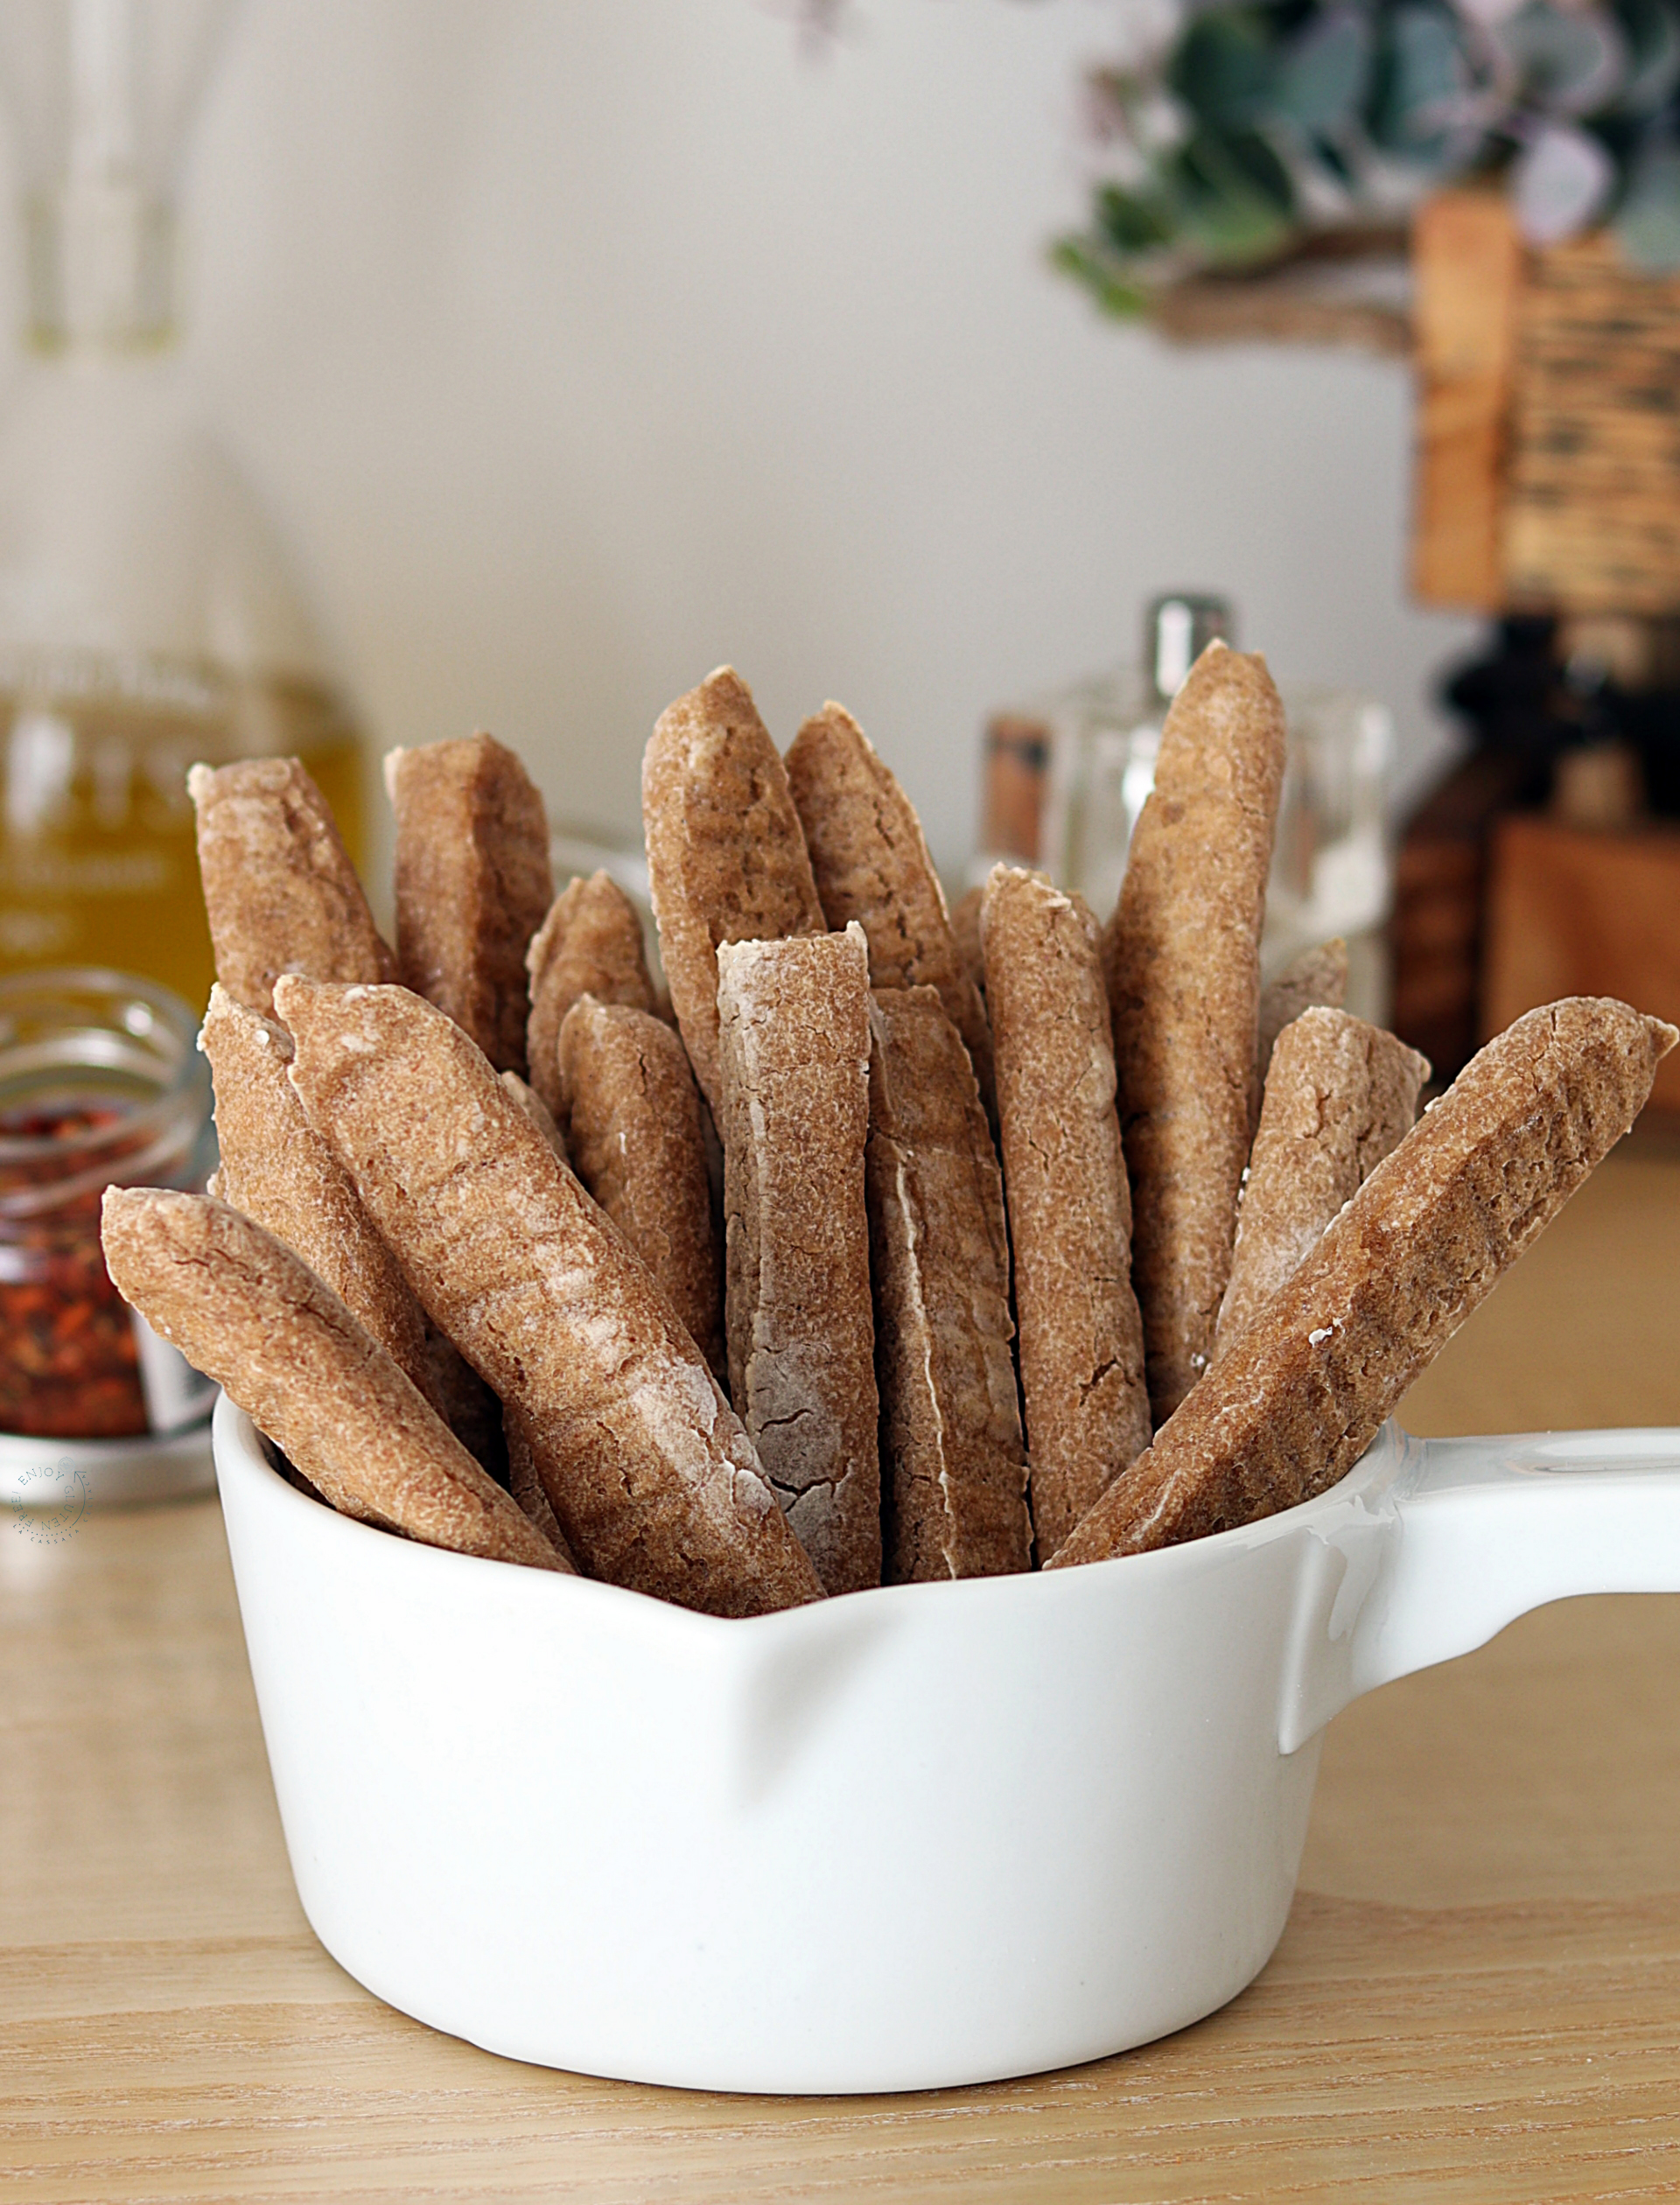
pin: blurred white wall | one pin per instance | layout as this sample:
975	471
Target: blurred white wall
581	343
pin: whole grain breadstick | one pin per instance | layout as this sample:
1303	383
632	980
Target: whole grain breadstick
473	883
1182	958
538	1112
1069	1210
247	1311
793	1060
953	1468
871	861
1340	1095
654	1481
278	1171
634	1112
280	890
588	944
965	932
526	1486
1318	978
726	856
1303	1389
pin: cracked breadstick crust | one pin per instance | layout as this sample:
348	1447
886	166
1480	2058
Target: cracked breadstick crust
793	1063
589	944
634	1112
651	1477
1340	1096
473	882
247	1311
1317	979
1304	1389
1182	960
726	855
871	862
1081	1347
279	888
953	1466
277	1171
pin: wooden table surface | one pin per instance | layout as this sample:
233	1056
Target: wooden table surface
1477	1997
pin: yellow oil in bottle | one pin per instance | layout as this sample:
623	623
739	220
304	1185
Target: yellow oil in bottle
98	865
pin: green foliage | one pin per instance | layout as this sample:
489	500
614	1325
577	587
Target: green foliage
1256	124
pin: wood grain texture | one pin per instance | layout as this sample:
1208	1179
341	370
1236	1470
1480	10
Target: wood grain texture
1477	1998
1574	911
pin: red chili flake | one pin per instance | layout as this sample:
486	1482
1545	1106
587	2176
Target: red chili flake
69	1368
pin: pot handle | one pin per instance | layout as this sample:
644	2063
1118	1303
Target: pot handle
1475	1533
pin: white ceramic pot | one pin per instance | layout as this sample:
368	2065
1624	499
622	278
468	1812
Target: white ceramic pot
929	1835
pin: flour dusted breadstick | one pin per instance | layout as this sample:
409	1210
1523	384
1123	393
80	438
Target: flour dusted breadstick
794	1062
1070	1211
1317	978
634	1112
871	861
1340	1095
953	1468
654	1483
473	883
1300	1396
538	1112
280	890
277	1171
247	1311
1182	954
726	856
526	1486
588	944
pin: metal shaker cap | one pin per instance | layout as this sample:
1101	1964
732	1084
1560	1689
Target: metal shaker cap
1178	627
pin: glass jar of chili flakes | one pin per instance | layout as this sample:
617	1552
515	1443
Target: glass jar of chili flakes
101	1083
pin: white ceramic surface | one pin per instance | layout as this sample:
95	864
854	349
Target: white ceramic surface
924	1836
62	1477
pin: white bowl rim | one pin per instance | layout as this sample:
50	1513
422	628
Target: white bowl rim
1362	1489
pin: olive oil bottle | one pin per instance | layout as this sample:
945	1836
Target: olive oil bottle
148	615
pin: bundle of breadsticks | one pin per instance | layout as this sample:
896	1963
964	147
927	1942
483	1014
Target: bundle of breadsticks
887	1245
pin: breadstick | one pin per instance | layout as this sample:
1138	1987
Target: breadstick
871	861
1340	1095
1069	1209
726	856
282	1175
1318	977
588	944
527	1487
953	1466
634	1112
654	1481
1303	1389
794	1062
1182	956
472	883
538	1112
280	890
965	932
247	1311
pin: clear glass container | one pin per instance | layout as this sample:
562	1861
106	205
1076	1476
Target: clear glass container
1068	775
148	615
101	1083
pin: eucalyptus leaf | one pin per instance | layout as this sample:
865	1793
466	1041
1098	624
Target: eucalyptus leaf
1236	199
1108	282
1651	29
1647	223
1323	75
1568	61
1421	82
1128	221
1224	68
